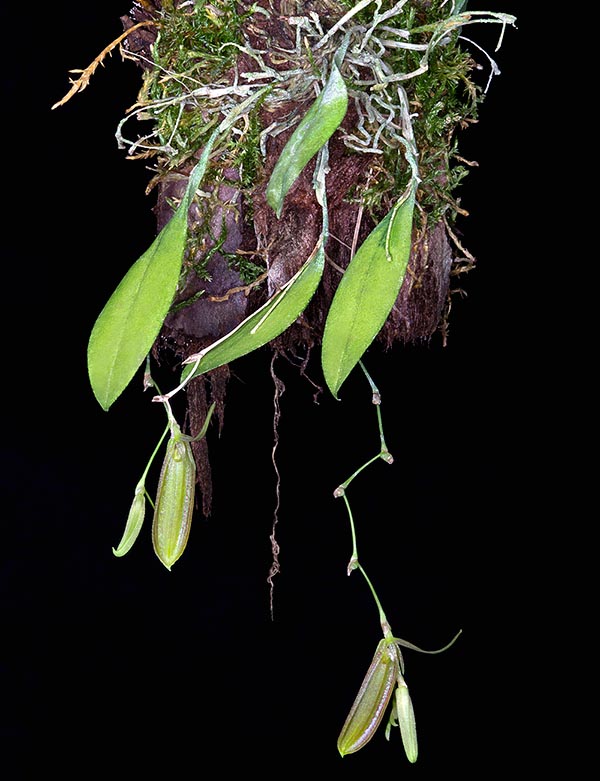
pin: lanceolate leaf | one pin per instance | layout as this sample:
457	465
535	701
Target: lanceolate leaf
128	325
318	125
279	312
366	294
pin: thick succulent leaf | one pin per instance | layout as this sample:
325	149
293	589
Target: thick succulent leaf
130	321
273	317
318	125
366	293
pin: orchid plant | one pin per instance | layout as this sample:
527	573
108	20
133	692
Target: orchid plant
355	83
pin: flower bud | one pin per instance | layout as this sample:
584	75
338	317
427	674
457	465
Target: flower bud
174	500
135	519
406	720
372	699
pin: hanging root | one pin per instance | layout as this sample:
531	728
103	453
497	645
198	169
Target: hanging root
275	568
78	85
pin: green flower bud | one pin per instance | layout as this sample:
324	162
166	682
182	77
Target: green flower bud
174	500
135	519
372	699
406	720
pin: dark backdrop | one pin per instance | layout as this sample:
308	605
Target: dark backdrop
118	664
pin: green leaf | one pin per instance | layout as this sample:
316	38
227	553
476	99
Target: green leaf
320	122
280	311
128	325
366	293
273	317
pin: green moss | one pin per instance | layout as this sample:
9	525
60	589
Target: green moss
189	90
446	100
443	100
249	156
190	52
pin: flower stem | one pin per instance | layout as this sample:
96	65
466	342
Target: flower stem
376	399
340	491
382	617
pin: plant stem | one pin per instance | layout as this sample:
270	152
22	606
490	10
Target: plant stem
341	491
382	617
142	481
385	453
353	563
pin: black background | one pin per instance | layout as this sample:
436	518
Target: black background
118	664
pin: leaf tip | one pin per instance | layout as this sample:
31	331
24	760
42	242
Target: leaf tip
334	389
274	200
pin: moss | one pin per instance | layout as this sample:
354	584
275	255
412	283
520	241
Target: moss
443	100
201	50
198	46
192	50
